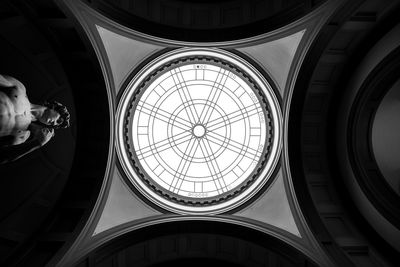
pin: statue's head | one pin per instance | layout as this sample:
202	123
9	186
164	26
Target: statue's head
55	115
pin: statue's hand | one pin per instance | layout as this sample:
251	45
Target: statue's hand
43	135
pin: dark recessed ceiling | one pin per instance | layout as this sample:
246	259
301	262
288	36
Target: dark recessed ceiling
48	192
204	20
210	242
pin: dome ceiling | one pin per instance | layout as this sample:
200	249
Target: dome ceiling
313	185
223	125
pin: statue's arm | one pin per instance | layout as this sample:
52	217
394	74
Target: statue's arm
14	152
20	146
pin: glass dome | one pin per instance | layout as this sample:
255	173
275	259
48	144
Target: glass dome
198	131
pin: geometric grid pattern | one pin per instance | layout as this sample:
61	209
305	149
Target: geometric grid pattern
198	130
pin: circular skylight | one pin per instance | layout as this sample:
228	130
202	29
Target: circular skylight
198	131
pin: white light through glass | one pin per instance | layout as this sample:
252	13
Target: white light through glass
199	131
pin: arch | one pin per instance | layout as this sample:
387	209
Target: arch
189	240
204	21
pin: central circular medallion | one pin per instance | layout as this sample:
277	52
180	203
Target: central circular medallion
198	131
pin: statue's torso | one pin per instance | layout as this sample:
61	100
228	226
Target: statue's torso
15	114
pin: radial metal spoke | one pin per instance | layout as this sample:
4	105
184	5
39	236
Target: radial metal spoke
186	91
233	117
184	95
163	115
214	95
164	144
184	164
233	145
212	164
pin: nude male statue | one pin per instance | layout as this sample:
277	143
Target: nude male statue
24	126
